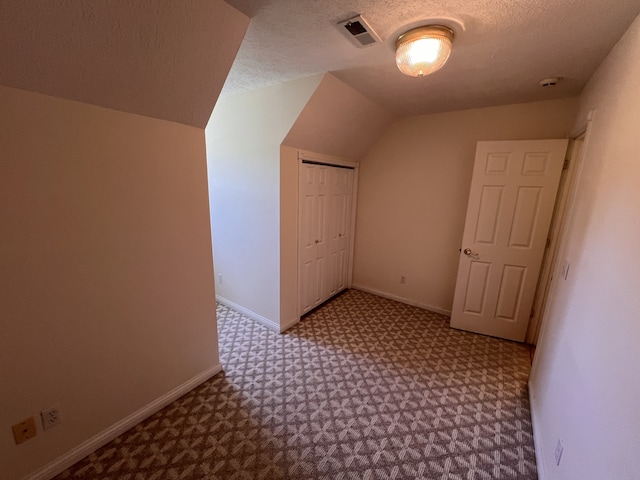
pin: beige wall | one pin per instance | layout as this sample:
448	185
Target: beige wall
413	191
253	141
243	157
106	294
338	121
585	382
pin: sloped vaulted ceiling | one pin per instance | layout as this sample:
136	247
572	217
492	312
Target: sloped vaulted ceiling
338	121
501	50
159	58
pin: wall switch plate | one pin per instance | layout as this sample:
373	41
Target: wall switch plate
24	430
220	279
559	450
50	417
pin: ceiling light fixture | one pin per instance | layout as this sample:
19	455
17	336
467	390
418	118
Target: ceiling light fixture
423	50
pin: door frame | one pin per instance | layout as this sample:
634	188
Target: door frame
330	161
565	201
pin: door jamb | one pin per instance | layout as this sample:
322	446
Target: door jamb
562	216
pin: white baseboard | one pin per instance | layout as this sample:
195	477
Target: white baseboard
403	300
537	441
78	453
252	315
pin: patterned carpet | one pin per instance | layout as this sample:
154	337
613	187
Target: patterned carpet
362	388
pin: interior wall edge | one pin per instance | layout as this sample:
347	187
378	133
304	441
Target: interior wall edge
537	435
247	177
287	325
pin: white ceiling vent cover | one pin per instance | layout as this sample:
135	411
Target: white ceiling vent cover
359	32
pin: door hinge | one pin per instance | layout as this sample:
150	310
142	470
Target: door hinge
548	243
533	312
566	164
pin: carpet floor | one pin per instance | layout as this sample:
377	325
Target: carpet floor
362	388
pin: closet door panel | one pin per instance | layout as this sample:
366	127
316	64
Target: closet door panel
312	205
342	199
324	230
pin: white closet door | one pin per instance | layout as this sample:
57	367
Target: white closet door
325	230
339	223
313	206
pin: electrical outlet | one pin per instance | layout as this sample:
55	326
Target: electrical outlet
403	279
24	430
559	450
50	417
220	279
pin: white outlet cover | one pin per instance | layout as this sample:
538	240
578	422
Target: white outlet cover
50	417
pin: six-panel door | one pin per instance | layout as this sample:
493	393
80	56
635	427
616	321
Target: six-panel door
511	201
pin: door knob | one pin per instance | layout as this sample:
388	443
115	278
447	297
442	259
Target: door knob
469	252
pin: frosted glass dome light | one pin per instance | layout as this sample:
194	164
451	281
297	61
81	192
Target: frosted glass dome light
423	50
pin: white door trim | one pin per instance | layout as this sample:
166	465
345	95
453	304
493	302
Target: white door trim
567	186
572	191
326	159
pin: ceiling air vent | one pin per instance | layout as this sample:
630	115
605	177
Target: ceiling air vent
359	32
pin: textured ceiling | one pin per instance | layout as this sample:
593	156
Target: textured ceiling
150	57
501	50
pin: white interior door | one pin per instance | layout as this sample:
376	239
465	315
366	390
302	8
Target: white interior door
511	201
326	195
